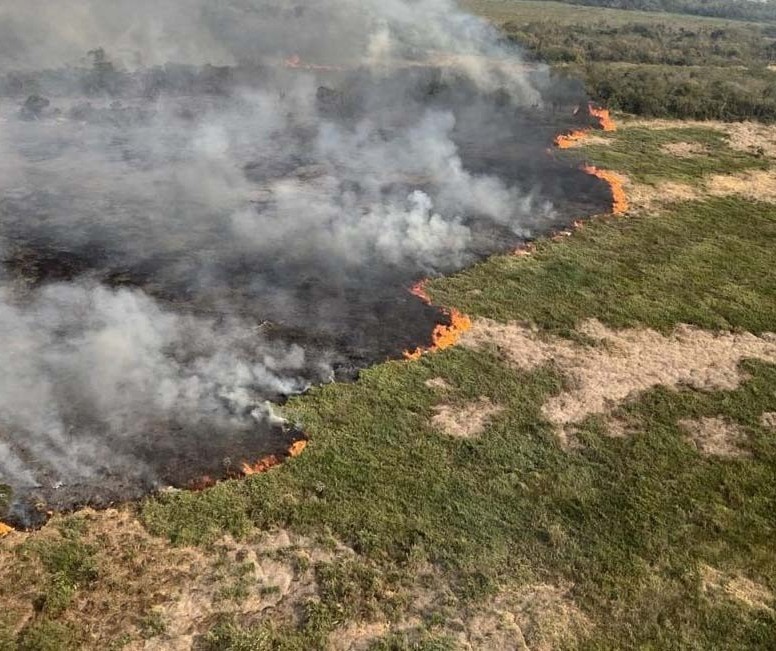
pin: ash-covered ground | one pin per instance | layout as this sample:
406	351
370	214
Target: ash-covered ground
207	207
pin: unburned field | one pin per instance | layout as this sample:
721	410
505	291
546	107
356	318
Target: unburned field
649	63
594	467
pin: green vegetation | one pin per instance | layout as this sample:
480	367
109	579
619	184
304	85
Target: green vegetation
706	263
764	10
45	635
687	93
643	531
650	64
640	153
630	522
640	43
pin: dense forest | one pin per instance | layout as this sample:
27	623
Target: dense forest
678	45
692	93
656	66
754	10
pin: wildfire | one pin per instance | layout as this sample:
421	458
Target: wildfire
604	119
5	529
605	122
568	140
272	460
619	198
296	62
615	181
419	290
262	465
443	336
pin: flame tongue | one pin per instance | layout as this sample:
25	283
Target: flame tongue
615	181
604	119
568	140
443	336
619	198
272	460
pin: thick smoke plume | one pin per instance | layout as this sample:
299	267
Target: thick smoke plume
205	206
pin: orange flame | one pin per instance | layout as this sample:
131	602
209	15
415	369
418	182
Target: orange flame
615	181
262	465
604	119
605	122
296	62
5	529
568	140
272	460
419	290
443	336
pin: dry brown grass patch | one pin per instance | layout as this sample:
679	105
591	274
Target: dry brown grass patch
756	184
750	593
465	421
684	149
768	419
624	363
715	436
538	617
437	383
141	576
645	196
743	136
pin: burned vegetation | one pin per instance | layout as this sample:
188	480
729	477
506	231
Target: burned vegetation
186	243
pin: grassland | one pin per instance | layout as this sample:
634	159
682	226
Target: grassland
618	529
646	520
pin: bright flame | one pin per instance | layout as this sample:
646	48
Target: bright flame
444	336
604	119
297	447
568	140
272	460
5	529
419	290
262	465
615	181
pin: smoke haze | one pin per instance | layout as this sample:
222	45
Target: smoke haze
206	206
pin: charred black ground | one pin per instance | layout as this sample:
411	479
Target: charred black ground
131	229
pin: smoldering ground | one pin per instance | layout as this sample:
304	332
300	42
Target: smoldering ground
208	206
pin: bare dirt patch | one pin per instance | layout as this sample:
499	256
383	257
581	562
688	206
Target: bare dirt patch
743	136
538	617
646	196
755	184
684	149
437	383
715	436
466	421
750	593
140	576
753	137
768	419
624	364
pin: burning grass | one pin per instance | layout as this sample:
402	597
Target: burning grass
640	152
492	511
449	541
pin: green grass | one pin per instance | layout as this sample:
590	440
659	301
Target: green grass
705	263
629	522
638	152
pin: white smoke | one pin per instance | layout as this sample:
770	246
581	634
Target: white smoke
231	197
128	363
